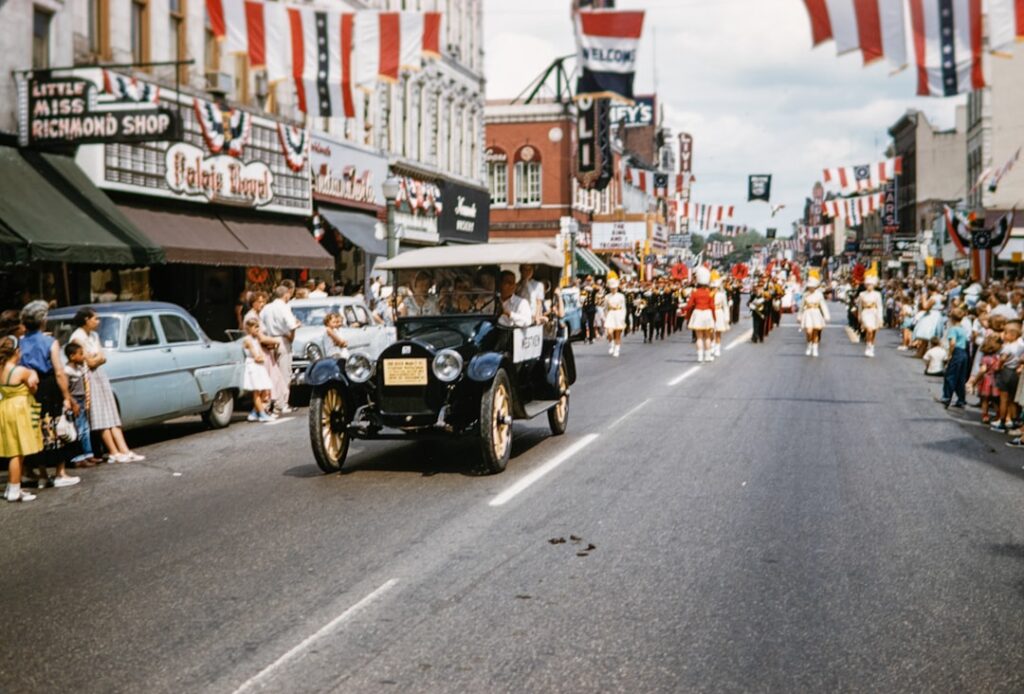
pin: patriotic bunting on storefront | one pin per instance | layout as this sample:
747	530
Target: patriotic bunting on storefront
650	182
979	243
130	89
857	179
294	142
326	54
227	131
606	47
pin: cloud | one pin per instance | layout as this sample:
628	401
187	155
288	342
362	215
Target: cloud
743	79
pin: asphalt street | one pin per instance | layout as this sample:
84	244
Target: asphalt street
766	523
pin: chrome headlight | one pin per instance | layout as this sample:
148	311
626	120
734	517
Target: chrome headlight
313	353
447	365
359	368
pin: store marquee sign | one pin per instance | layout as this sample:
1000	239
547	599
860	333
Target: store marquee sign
617	236
75	110
466	214
346	175
220	178
639	114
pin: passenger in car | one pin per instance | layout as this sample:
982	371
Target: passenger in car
531	290
515	310
419	303
334	345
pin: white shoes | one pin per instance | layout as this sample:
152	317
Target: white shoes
69	481
718	350
700	356
615	351
814	349
611	348
128	457
870	351
15	493
810	349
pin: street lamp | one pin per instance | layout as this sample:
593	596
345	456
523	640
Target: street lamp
390	188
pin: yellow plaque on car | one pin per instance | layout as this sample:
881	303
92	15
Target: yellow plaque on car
405	372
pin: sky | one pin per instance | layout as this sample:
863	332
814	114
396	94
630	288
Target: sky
742	77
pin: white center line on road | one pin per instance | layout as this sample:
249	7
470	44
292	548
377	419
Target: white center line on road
745	337
523	484
676	381
297	650
629	414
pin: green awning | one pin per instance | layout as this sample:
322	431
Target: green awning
48	202
13	250
587	263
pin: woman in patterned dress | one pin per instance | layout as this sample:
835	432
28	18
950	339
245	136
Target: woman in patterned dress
103	416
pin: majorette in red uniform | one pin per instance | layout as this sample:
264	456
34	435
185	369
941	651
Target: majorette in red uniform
701	309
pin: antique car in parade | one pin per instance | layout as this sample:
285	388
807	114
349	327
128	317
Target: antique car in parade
458	369
160	363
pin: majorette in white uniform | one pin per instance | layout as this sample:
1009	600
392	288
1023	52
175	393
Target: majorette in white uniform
721	313
615	316
813	315
870	313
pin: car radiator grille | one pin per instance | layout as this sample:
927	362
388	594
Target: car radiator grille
398	404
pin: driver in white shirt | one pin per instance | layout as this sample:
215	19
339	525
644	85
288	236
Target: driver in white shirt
516	311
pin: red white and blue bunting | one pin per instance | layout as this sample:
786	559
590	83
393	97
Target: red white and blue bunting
130	89
419	196
229	135
294	144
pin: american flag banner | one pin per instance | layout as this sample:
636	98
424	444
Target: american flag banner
706	216
981	244
818	232
650	182
853	179
1006	23
318	49
733	230
853	210
948	46
684	181
874	27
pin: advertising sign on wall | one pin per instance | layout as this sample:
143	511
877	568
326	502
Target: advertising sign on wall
465	217
346	175
91	105
638	115
593	144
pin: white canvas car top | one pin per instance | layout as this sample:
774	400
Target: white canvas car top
476	255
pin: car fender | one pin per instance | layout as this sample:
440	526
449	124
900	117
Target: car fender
326	371
483	367
560	352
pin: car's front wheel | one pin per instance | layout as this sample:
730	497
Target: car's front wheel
328	428
496	425
220	412
558	416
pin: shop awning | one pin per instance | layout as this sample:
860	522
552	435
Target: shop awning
13	249
195	235
53	207
360	229
587	263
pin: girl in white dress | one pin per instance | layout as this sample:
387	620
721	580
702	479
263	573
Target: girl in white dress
256	380
870	312
615	316
721	314
814	315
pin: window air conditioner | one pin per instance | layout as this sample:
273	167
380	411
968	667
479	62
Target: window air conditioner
220	82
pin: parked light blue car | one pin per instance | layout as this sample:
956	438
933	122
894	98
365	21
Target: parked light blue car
160	363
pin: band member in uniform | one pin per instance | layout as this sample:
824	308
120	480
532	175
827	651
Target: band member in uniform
813	315
615	316
758	305
648	312
870	312
701	309
588	300
735	291
721	313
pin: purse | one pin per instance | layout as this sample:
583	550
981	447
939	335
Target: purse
66	430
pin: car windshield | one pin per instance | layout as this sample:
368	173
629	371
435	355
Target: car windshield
109	330
314	315
445	292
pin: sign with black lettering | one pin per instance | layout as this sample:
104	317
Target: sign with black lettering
593	144
55	111
527	344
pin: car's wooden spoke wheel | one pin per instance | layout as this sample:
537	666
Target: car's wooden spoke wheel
496	424
328	428
558	416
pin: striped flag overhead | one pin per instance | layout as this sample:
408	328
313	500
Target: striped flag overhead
875	27
852	179
947	46
1006	23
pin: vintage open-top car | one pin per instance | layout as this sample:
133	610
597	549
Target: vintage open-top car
459	367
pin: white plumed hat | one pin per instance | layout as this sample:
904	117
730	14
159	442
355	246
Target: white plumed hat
703	276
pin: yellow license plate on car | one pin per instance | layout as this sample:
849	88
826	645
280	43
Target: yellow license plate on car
405	372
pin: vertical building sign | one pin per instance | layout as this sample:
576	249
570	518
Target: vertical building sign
890	214
594	147
686	169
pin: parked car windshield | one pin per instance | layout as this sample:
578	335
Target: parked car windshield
109	330
314	315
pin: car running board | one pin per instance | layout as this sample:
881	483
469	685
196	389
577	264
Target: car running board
539	407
